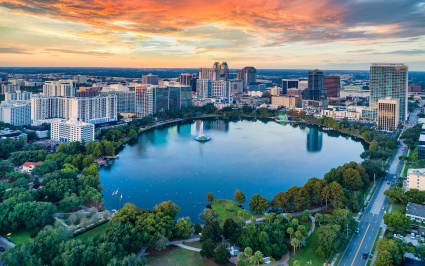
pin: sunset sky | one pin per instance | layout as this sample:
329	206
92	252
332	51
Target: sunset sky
328	34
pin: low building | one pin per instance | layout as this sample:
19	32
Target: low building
415	212
341	112
290	102
388	114
27	167
71	130
416	179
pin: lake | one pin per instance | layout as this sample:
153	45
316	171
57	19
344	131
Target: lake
253	156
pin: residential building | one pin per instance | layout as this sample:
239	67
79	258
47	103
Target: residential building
203	88
150	79
125	97
415	212
332	85
275	91
388	114
290	102
8	87
17	95
71	130
27	167
17	113
145	100
208	73
217	72
389	80
416	179
99	109
341	112
248	75
88	91
59	88
186	79
289	84
220	88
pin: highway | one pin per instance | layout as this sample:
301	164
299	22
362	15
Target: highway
372	219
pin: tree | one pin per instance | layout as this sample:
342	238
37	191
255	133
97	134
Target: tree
211	231
389	253
208	215
229	228
183	228
70	203
396	194
167	208
328	235
396	221
130	260
197	228
161	243
373	146
207	249
281	201
5	167
258	204
295	243
257	258
352	179
290	231
314	188
222	255
210	197
239	197
318	218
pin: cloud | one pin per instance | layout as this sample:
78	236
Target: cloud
67	51
9	50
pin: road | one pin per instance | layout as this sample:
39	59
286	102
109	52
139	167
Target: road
372	219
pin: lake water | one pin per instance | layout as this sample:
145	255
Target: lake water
253	156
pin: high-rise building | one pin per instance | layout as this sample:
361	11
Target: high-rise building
223	70
162	98
289	84
125	97
145	100
316	90
332	85
59	88
203	88
388	114
150	79
220	89
8	87
186	79
248	75
17	96
17	113
180	97
389	80
88	91
416	179
99	109
208	73
71	130
235	86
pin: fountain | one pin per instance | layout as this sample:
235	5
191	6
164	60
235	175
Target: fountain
201	137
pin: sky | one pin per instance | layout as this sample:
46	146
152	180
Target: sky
326	34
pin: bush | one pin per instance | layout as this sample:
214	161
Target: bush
222	255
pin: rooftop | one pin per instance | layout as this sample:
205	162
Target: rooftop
422	137
27	164
415	209
417	171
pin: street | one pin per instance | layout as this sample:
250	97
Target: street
372	219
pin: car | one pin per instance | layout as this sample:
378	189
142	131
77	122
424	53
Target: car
365	255
2	249
412	235
357	231
388	182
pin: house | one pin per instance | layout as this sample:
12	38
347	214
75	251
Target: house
234	251
415	212
27	167
267	260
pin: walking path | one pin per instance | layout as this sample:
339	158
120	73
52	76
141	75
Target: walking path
181	243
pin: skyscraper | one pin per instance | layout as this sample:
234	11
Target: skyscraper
332	85
316	90
217	72
186	79
289	84
388	114
248	75
59	88
389	80
145	100
150	79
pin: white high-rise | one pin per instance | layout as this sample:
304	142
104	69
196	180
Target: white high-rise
98	109
59	88
17	96
71	130
17	113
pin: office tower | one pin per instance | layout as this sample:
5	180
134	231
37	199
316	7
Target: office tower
220	88
275	91
203	88
17	96
223	70
162	98
388	114
145	100
235	86
59	88
186	79
332	85
247	75
17	113
290	102
208	73
289	84
179	97
217	72
71	130
125	97
389	80
99	109
316	90
150	79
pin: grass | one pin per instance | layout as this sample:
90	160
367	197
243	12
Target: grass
196	244
307	254
21	237
98	230
229	209
397	207
178	256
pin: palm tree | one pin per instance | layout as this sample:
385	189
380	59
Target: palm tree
295	243
290	231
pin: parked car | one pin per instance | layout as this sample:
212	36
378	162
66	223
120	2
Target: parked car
412	235
365	255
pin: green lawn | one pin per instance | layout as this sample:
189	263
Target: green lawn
397	207
196	244
307	254
178	256
21	237
229	209
98	230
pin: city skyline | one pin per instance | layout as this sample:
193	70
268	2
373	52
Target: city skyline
273	34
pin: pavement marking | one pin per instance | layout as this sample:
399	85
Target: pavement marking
361	242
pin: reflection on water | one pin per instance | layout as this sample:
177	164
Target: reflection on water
253	156
314	139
